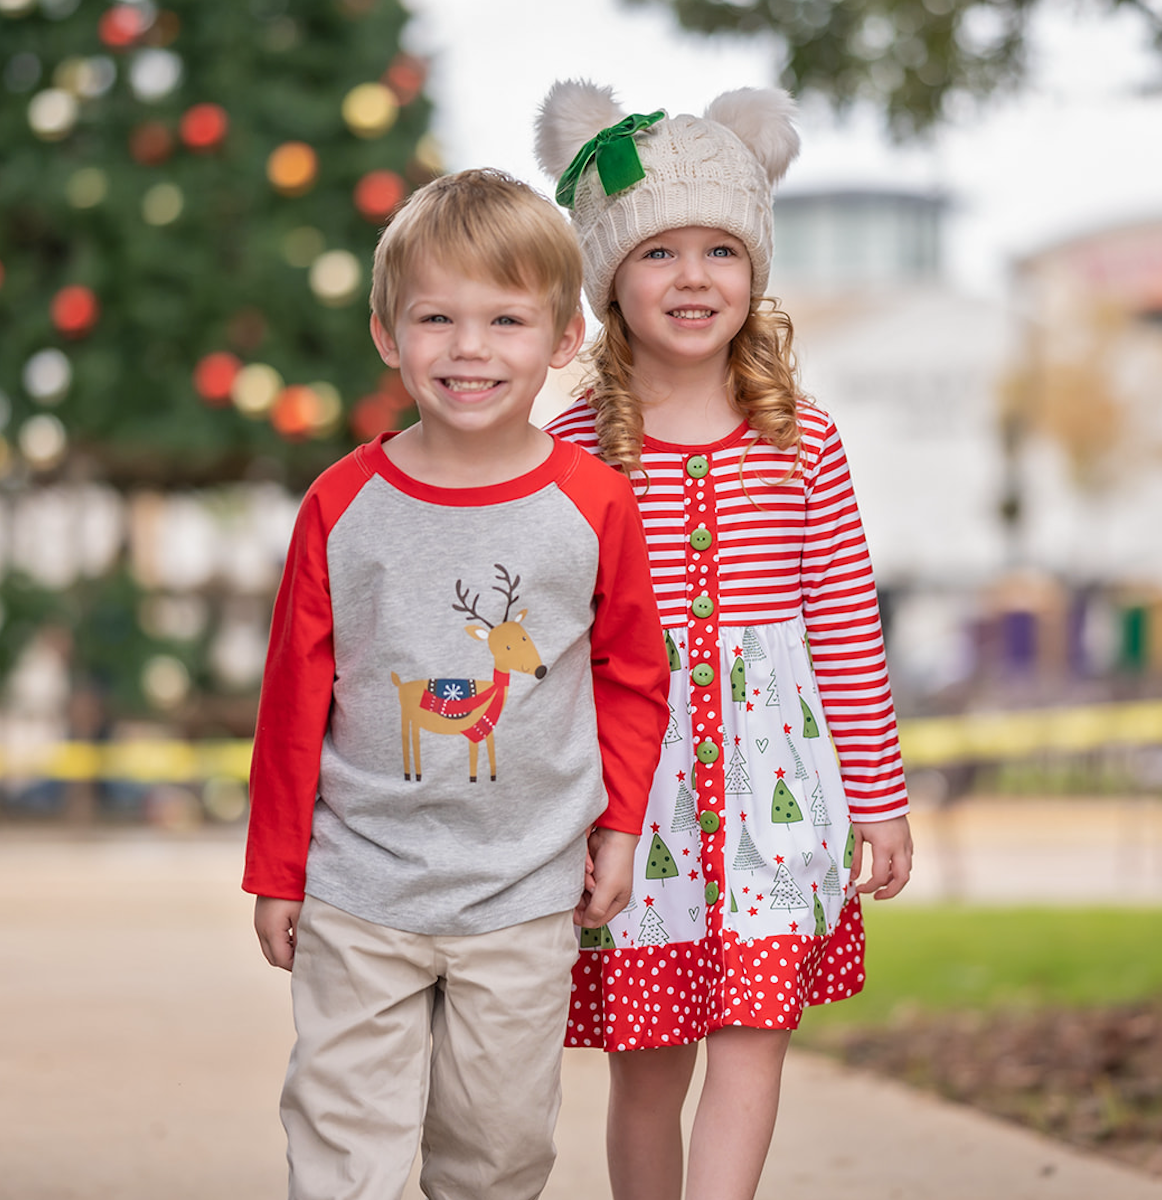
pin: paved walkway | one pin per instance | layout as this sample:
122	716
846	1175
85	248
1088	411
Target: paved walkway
143	1040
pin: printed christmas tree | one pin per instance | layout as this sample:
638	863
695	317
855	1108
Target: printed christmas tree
784	891
738	681
785	808
810	727
672	653
597	939
752	650
830	884
672	733
733	902
661	864
820	918
819	814
849	849
685	814
773	693
652	932
736	781
800	770
748	857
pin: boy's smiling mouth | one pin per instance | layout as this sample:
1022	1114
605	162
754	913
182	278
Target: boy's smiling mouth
469	385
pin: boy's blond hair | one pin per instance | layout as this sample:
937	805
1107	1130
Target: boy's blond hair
488	225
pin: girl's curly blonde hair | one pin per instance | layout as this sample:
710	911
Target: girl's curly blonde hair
762	380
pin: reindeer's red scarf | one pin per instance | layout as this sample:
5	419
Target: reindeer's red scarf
461	706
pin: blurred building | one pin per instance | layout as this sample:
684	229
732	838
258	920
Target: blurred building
1005	452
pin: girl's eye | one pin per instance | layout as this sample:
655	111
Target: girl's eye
656	252
723	252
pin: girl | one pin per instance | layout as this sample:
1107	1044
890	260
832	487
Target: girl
781	758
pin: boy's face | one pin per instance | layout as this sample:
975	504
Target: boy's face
473	354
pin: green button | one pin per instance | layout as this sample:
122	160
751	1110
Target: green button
703	674
709	821
707	752
711	893
697	466
702	539
703	606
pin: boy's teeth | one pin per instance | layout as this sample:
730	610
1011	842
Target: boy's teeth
469	385
692	314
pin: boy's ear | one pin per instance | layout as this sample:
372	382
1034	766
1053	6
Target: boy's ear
570	341
384	342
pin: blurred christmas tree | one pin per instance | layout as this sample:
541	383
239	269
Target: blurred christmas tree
190	193
188	203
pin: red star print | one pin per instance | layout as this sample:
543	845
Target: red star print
779	859
649	902
799	688
745	890
681	776
814	887
685	851
655	826
742	816
755	692
824	844
786	729
749	706
693	874
778	774
682	645
794	926
737	651
737	739
759	897
754	912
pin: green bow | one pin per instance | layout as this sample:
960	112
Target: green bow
618	163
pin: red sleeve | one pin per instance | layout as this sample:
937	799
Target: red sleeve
631	673
847	645
295	704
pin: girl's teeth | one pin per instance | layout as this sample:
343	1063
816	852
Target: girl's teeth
691	314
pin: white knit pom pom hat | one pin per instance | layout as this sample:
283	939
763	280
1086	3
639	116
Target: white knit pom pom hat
629	178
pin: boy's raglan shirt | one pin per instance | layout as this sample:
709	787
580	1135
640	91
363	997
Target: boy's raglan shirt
412	620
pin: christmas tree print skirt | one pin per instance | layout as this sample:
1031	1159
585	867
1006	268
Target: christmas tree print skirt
741	913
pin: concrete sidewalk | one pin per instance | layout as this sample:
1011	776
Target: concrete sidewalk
143	1042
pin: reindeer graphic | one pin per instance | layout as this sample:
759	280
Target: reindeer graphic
470	706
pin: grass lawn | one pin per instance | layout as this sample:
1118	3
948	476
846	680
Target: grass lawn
945	958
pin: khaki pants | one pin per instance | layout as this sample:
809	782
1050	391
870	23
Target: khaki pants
461	1036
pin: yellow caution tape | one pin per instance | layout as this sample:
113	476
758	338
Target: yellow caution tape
925	741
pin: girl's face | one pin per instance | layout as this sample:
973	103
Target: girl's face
684	294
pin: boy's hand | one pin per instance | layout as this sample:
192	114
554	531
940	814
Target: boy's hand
891	856
609	883
275	922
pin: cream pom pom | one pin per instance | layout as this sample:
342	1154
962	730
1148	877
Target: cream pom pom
761	118
574	111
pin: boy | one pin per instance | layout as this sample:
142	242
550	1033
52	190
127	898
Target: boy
435	819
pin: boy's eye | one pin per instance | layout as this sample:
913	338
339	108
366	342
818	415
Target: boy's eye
507	321
434	319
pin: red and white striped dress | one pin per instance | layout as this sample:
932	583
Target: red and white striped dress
782	732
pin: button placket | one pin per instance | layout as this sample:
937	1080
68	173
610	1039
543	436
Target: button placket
702	630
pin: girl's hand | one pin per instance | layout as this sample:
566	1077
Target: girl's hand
611	853
275	922
891	856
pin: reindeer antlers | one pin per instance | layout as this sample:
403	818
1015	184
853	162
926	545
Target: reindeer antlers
508	591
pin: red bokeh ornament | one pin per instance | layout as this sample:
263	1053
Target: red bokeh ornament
120	26
214	377
150	143
295	412
406	77
377	194
204	127
382	409
75	310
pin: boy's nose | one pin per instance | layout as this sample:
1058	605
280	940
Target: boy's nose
469	342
